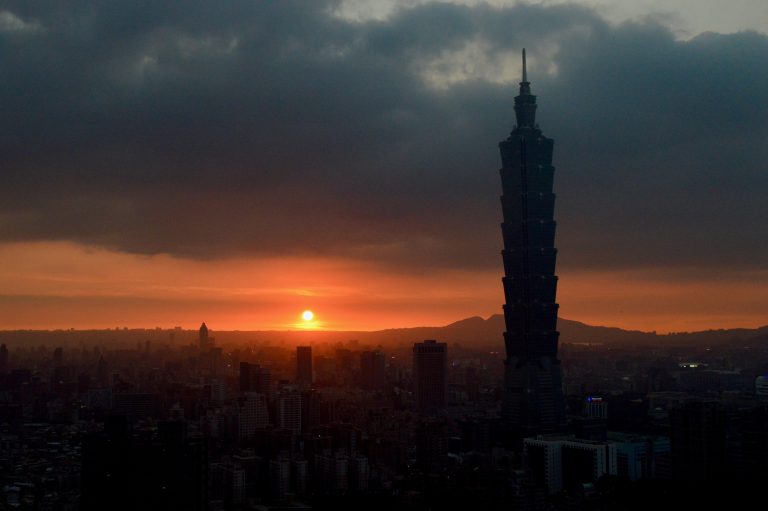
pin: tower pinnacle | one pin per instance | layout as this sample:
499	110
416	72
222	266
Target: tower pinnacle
525	102
525	69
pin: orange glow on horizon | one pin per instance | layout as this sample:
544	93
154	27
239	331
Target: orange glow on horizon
63	285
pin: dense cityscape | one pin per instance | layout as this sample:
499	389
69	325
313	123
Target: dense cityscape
157	419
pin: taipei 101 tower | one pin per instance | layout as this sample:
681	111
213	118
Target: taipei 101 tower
533	396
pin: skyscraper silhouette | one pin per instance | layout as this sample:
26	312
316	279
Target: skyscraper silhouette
203	339
3	359
304	364
533	400
430	375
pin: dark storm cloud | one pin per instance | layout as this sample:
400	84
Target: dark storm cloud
207	129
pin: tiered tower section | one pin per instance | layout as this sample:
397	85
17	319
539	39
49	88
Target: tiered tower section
533	400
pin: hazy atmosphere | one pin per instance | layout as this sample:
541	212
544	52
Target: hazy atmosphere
165	163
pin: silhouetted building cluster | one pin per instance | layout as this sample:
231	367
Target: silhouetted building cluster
124	469
419	425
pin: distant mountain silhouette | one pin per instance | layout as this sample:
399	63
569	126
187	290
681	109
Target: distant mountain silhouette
473	331
490	330
476	330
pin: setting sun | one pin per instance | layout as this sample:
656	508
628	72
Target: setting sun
307	315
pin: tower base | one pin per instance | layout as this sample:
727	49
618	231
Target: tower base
533	397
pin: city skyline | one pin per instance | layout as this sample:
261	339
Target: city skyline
252	255
164	166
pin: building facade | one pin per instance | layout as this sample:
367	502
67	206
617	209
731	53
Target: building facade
563	462
289	410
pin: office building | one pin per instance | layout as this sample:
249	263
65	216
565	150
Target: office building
430	375
304	365
641	456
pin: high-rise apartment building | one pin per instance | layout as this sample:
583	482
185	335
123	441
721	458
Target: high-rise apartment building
253	414
289	410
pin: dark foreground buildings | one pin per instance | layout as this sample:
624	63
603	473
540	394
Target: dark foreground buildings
124	470
304	365
430	375
533	400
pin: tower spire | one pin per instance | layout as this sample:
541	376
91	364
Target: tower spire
525	69
525	102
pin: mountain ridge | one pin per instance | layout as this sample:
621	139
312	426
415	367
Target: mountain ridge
475	330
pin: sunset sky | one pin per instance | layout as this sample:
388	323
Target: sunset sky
167	163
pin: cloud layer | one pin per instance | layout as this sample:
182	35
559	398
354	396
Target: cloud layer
207	130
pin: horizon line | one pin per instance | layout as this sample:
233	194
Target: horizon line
324	330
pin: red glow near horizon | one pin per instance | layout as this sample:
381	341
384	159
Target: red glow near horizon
63	285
